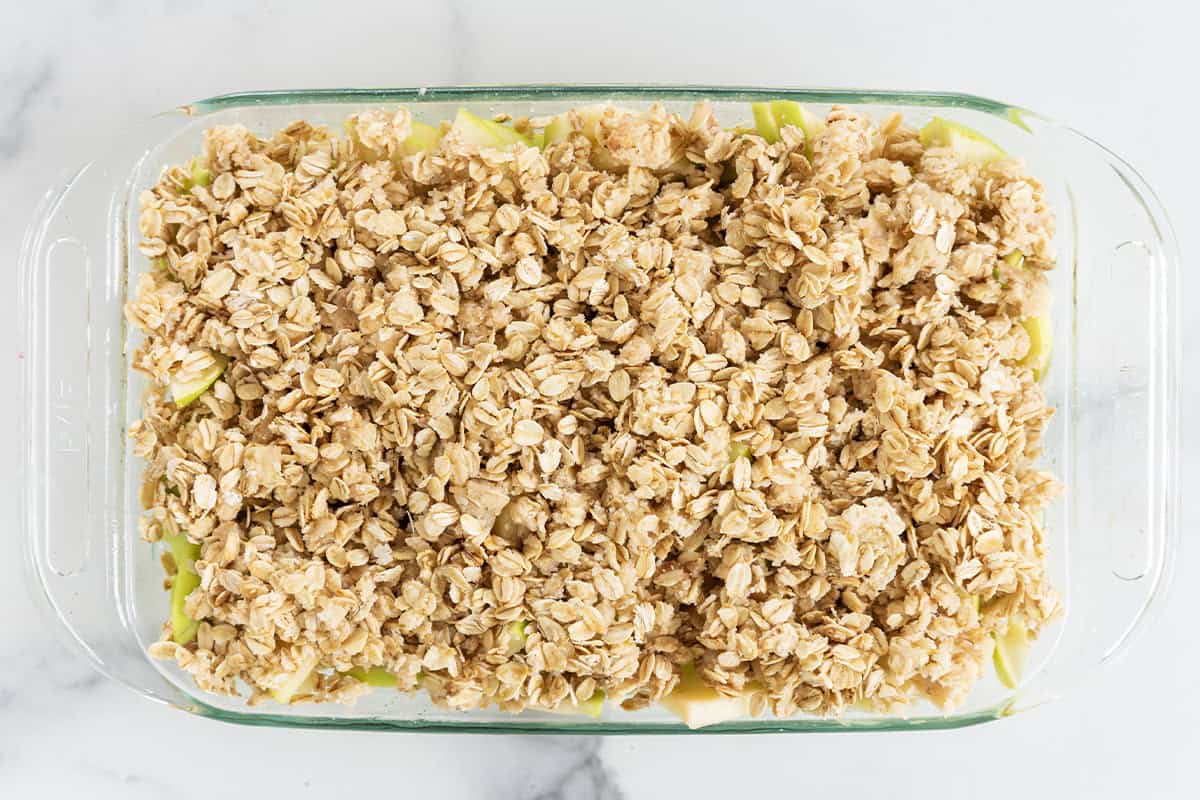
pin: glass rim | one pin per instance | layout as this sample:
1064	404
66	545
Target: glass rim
566	91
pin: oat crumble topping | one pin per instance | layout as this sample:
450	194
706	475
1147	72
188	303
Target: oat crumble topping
669	393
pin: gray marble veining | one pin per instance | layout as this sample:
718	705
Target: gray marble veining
16	110
587	778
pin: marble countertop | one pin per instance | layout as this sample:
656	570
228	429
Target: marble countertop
73	73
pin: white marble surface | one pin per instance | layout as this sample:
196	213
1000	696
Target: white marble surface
71	73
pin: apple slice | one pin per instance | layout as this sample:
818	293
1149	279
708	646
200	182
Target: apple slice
302	681
164	266
183	627
185	391
789	112
765	122
1041	342
1014	260
1010	651
1038	328
559	128
969	144
486	133
515	635
556	130
771	118
593	705
699	705
198	175
184	553
423	137
350	126
373	676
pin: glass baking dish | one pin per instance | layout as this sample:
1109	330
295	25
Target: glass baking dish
1113	378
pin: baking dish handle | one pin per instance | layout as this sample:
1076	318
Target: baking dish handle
1122	418
72	380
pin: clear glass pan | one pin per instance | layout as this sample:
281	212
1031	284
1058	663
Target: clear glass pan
1113	378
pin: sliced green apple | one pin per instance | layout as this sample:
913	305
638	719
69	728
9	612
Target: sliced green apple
201	176
1041	342
423	137
302	681
373	676
1015	259
969	144
485	132
183	627
789	112
559	128
364	152
594	705
165	266
515	635
198	175
771	118
556	130
1009	653
184	553
765	122
699	705
185	392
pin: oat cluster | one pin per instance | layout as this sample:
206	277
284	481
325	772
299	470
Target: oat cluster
682	398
